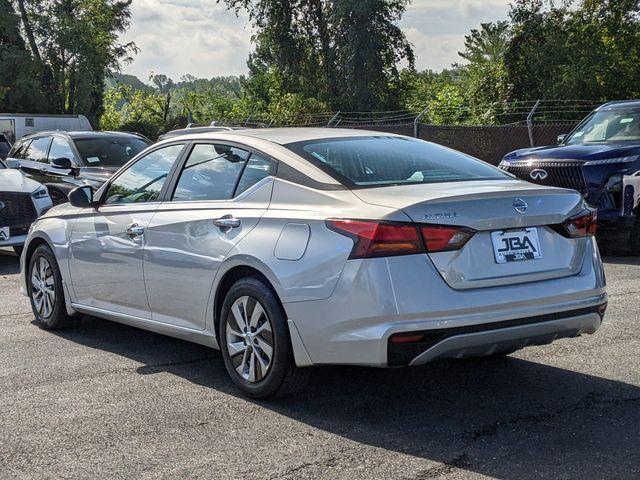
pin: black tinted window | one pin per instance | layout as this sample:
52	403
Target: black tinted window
380	161
60	148
143	181
210	173
257	168
37	150
109	151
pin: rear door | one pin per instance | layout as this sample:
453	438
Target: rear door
35	160
220	194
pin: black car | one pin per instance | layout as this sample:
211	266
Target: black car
65	160
601	159
5	146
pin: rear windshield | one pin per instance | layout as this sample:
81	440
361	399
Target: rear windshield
109	151
362	162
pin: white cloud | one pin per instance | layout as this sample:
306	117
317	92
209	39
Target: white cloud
205	39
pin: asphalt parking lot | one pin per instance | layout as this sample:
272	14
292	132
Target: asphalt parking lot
105	400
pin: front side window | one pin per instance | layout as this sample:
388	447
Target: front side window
37	151
60	148
210	173
360	162
20	149
109	151
143	181
615	125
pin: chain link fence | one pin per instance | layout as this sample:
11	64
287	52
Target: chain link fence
487	133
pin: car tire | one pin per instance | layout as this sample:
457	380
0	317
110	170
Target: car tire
47	297
247	336
57	197
18	250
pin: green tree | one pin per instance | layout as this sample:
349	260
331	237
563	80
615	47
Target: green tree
19	87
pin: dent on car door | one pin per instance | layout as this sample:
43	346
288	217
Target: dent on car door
107	243
220	195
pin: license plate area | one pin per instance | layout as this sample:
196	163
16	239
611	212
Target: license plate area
516	245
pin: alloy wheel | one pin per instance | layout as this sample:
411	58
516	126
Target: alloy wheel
43	290
249	339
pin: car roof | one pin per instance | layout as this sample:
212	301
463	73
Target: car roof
284	136
620	104
87	134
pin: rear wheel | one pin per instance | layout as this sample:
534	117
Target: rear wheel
45	290
255	343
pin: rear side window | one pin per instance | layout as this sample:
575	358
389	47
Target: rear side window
257	168
360	162
60	148
210	173
38	149
143	181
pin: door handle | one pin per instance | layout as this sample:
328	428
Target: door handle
134	230
227	222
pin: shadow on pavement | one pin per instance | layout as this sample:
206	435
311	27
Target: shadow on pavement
9	262
505	418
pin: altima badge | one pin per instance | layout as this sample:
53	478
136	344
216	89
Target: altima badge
520	205
538	174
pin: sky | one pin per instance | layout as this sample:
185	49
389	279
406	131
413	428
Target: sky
203	38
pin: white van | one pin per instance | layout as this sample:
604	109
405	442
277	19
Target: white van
14	126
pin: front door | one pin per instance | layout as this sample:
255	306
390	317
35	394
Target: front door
107	243
220	196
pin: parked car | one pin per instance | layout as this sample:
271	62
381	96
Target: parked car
65	160
600	158
21	202
287	248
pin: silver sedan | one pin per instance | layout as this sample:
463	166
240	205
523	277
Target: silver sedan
287	248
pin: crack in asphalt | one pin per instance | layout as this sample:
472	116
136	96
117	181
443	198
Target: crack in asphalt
328	463
462	460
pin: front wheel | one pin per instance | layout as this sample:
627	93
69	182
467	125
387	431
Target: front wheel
255	343
45	290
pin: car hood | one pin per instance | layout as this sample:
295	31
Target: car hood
14	181
98	174
575	152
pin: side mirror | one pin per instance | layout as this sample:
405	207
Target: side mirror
12	163
63	162
561	138
81	197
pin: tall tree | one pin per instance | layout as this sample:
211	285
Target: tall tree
19	87
341	52
486	44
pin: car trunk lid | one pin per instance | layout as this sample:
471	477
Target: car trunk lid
492	206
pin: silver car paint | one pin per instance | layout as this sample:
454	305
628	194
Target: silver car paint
339	310
12	180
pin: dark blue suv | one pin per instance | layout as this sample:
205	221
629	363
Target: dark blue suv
601	159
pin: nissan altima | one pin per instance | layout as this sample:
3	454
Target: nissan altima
288	248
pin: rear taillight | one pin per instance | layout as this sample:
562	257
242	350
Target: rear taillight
443	238
582	225
386	239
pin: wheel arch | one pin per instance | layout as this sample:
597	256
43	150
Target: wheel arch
228	277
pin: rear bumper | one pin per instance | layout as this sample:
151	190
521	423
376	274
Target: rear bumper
487	339
378	298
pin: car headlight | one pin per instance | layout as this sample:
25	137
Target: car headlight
607	161
40	193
